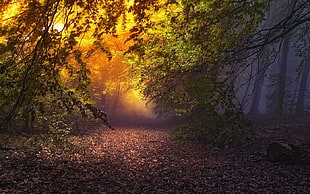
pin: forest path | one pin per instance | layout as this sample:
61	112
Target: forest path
147	160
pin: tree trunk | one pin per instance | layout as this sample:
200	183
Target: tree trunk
280	9
258	84
303	86
29	118
282	76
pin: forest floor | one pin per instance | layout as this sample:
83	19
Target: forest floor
147	160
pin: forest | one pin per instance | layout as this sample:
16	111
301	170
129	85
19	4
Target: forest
155	96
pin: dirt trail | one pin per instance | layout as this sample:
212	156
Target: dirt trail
142	160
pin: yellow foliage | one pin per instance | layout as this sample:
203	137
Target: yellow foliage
108	76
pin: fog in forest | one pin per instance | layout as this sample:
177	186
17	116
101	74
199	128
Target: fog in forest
277	82
131	108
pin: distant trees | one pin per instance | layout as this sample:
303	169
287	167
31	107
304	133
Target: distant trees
284	68
110	77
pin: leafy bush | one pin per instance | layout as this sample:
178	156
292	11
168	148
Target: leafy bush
54	130
227	130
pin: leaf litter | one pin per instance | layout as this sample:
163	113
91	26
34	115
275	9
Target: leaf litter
148	160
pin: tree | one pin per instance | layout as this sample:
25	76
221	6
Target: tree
43	68
302	47
188	62
280	91
300	104
184	65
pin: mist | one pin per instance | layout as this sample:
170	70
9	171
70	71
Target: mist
277	82
131	108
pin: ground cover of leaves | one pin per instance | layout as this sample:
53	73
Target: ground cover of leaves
148	160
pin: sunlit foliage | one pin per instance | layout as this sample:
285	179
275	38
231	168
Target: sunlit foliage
45	51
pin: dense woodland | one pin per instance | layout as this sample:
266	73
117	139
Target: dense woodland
219	72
